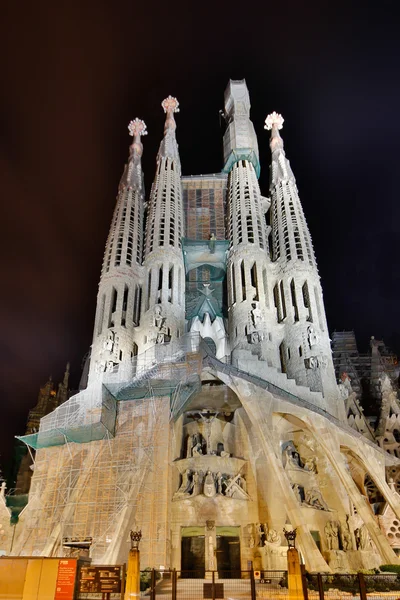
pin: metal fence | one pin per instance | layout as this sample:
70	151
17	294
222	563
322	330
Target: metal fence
341	586
213	585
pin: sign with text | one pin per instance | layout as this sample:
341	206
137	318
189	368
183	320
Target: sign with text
100	580
65	585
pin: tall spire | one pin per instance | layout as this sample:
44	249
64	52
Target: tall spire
118	298
304	349
291	238
163	304
169	146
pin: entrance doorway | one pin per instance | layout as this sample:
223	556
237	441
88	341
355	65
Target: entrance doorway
193	552
228	552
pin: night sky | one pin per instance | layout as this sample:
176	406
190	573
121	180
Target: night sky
74	76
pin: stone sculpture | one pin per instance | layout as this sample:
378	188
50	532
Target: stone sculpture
345	537
332	535
209	485
313	498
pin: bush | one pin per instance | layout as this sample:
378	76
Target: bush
390	569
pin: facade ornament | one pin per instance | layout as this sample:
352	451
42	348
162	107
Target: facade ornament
135	536
311	363
332	535
314	499
363	540
210	525
272	539
310	464
209	485
137	127
297	492
292	457
345	536
312	336
170	104
290	536
274	119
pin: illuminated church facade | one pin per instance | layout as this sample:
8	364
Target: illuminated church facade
212	416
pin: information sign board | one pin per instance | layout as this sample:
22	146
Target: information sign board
65	584
100	580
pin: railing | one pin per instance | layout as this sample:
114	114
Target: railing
214	585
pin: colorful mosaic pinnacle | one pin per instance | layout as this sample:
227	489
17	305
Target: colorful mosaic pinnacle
170	104
274	119
137	127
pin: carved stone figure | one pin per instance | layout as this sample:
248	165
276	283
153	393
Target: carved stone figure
314	498
196	484
256	315
273	538
297	492
158	316
332	535
211	557
362	538
207	419
345	537
310	464
185	487
252	542
218	481
292	457
197	450
209	485
260	534
312	336
234	490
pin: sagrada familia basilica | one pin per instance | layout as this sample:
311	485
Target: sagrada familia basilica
212	412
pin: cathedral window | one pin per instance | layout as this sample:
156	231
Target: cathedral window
243	280
254	281
179	286
124	306
113	307
233	288
136	304
283	301
300	351
294	300
277	303
250	232
170	284
282	357
160	285
306	301
288	353
148	292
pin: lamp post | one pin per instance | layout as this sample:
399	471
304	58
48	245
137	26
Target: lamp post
132	590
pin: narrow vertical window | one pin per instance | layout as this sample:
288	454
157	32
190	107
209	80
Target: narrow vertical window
306	301
179	286
243	280
233	291
282	357
148	291
101	315
124	306
170	284
294	300
277	304
265	285
283	300
113	306
254	281
160	284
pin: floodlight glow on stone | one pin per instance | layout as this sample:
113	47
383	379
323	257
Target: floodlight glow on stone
274	119
170	104
137	127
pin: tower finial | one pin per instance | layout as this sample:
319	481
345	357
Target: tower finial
274	122
274	119
137	128
170	106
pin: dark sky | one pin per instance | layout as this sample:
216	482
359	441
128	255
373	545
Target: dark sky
73	76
